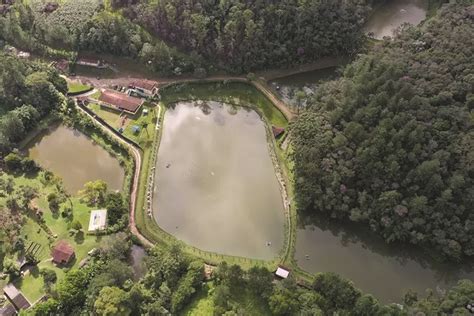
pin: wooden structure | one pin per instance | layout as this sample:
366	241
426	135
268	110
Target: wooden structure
63	253
16	298
144	87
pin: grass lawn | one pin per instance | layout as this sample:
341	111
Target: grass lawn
75	87
145	136
32	283
232	92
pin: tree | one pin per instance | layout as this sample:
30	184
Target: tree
112	301
338	293
53	201
13	162
76	224
94	192
260	281
70	289
115	206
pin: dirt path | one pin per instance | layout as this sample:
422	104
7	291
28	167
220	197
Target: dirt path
136	178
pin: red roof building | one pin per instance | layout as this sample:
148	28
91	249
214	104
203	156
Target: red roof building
120	101
147	87
277	131
17	298
62	253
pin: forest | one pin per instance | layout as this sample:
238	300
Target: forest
390	144
172	280
28	93
247	35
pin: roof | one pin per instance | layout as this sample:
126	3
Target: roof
144	84
277	131
8	310
62	252
98	220
16	297
121	100
88	60
282	273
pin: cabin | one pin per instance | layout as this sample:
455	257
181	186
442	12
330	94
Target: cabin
143	87
61	65
277	131
91	62
16	298
120	102
63	253
98	220
282	272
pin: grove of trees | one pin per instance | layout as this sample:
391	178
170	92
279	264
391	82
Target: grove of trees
391	143
244	35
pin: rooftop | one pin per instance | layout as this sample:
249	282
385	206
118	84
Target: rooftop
16	297
121	100
282	273
98	220
143	83
62	252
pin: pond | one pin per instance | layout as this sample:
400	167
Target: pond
136	259
385	271
216	187
391	14
75	158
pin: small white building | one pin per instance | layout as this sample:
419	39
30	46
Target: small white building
98	220
282	273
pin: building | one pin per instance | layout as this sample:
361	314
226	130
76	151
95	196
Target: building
277	131
91	62
62	253
282	272
16	298
147	88
120	101
7	310
98	220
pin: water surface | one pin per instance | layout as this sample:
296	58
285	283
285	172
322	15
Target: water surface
137	256
216	187
386	271
75	158
390	15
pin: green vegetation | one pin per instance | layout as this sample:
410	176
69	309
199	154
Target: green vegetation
29	92
390	143
77	87
242	35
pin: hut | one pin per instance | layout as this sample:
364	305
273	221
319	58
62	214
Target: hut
282	272
7	310
277	131
62	253
15	297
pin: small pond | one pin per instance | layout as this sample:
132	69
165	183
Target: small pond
215	186
385	271
391	14
75	158
137	256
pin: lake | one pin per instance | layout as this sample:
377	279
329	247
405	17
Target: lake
390	15
75	158
215	186
385	271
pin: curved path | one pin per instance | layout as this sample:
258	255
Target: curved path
136	176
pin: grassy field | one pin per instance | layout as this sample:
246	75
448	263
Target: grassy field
126	121
32	283
232	92
76	87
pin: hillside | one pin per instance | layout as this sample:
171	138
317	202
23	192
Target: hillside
391	144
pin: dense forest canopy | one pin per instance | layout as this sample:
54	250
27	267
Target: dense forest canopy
244	35
28	92
391	144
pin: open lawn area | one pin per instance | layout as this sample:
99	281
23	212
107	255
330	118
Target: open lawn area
76	87
59	229
145	122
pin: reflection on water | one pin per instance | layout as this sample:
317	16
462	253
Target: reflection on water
386	271
216	187
75	158
390	15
